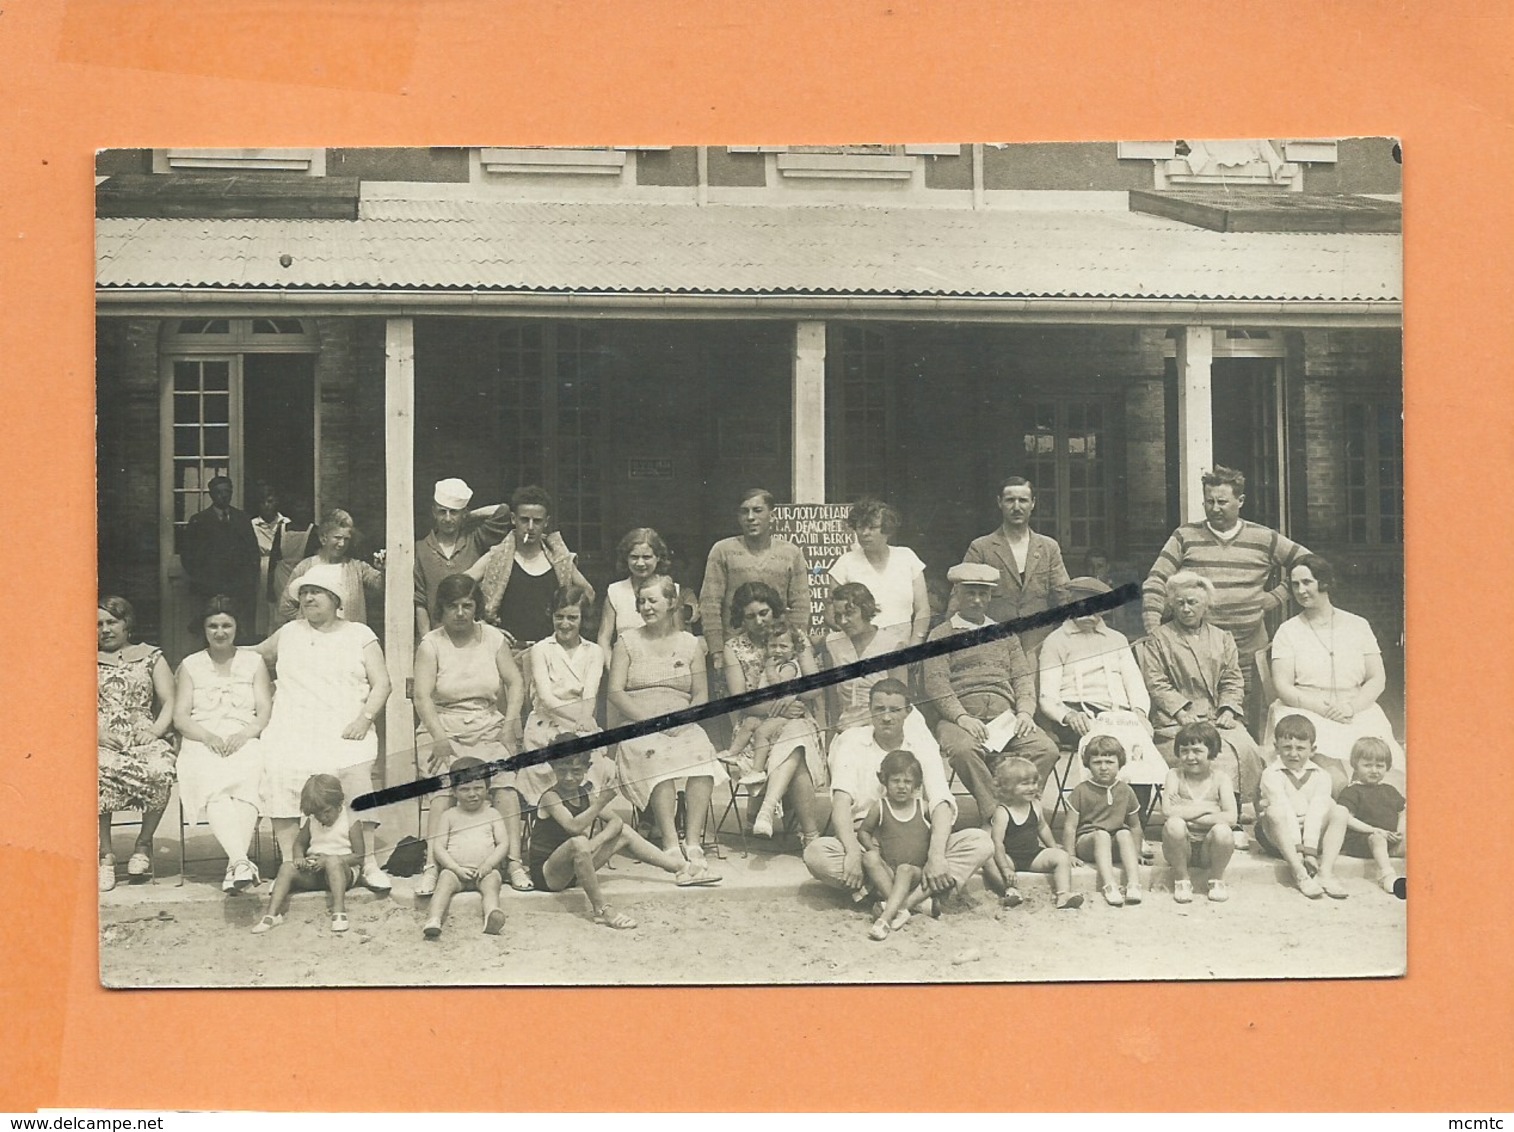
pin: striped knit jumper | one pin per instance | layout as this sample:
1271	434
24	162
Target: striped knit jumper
1239	568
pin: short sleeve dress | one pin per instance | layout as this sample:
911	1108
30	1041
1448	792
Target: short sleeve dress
223	703
1332	660
321	687
572	678
853	695
466	696
893	587
140	775
662	684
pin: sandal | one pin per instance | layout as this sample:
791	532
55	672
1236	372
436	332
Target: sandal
1112	896
879	930
901	917
107	874
376	880
516	874
1218	892
339	922
610	918
1069	900
763	825
1133	893
1310	887
695	874
244	875
1182	890
494	922
267	924
139	865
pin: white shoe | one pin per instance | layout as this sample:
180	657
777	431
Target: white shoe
1238	835
376	879
244	875
763	825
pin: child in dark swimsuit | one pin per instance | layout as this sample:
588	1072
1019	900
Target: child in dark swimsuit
895	838
565	851
1022	837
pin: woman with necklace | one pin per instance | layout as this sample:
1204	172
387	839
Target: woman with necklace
332	685
1326	665
468	695
222	704
136	759
756	555
656	669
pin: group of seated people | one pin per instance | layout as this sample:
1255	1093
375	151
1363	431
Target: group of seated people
503	667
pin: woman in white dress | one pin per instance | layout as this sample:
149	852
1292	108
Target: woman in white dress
1327	666
657	669
221	706
858	638
894	575
464	673
332	685
566	674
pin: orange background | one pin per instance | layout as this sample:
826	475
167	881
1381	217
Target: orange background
84	74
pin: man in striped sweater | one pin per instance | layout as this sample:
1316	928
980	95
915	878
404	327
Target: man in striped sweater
1241	559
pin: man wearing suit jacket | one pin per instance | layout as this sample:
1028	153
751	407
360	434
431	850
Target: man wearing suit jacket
1032	577
220	554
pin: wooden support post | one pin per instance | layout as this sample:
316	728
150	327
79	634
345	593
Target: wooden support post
399	565
809	413
1195	418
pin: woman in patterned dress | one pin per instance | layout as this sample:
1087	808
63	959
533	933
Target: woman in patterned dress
136	758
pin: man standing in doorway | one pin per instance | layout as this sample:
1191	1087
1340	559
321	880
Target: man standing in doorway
457	540
220	555
1241	559
1032	576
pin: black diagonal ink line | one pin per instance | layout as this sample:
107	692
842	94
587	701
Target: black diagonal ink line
1095	603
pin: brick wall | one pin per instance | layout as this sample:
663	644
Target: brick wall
126	448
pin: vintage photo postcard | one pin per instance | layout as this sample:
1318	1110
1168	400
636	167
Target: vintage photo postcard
751	564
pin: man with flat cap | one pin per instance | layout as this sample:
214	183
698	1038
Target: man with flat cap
985	696
457	540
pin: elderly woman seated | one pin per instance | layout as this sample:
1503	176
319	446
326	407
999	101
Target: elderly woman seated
1091	685
1193	672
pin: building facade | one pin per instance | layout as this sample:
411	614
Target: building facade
646	331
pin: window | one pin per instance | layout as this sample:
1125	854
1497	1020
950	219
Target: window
552	379
849	162
201	436
1065	447
1374	472
858	443
309	161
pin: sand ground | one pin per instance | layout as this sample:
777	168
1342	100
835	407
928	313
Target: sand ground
768	924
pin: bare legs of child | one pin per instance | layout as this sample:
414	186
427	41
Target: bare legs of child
903	889
579	859
1214	852
1098	846
449	884
1053	861
1313	870
1387	876
307	874
507	801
